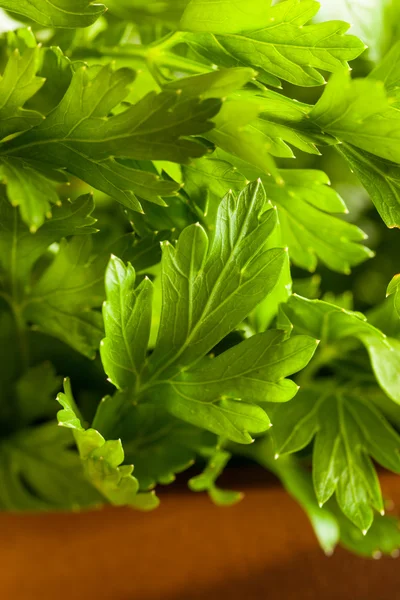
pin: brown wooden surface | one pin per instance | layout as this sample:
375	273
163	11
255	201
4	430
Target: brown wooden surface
188	549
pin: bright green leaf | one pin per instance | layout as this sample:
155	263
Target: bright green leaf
347	430
127	320
58	13
101	459
282	45
209	288
372	125
380	178
394	288
17	85
305	203
225	17
331	323
79	134
205	482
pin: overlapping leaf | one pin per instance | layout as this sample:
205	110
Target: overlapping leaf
19	249
381	179
388	71
347	431
81	136
331	323
305	204
207	292
343	111
61	302
17	85
154	441
101	459
281	46
330	525
58	13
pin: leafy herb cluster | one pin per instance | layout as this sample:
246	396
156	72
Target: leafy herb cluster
154	237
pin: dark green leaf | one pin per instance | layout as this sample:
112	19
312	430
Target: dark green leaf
38	471
61	301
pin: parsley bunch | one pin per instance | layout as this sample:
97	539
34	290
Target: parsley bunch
156	232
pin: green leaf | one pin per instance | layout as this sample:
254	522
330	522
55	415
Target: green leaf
28	188
61	301
254	370
59	13
381	179
231	418
81	136
208	289
101	459
298	483
282	45
347	431
383	538
225	17
158	444
388	71
283	121
35	392
206	181
19	249
146	12
394	289
39	471
17	85
236	132
127	320
330	323
205	482
305	203
216	84
372	125
56	69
